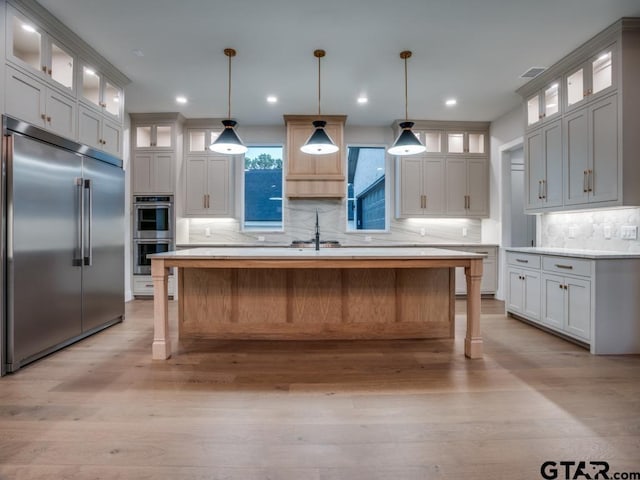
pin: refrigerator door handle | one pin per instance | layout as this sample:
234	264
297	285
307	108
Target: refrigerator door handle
88	258
79	251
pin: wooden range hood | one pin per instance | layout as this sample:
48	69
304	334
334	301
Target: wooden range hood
314	176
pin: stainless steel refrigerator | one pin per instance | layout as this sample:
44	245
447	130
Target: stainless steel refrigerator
62	242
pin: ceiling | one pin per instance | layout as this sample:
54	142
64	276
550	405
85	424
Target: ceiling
474	51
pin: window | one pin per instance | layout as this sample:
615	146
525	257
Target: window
263	188
366	192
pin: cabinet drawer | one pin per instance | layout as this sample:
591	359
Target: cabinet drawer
567	265
525	260
143	285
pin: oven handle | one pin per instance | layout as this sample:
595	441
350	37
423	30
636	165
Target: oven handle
152	241
148	206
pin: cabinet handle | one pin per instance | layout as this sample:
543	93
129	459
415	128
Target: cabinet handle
204	201
567	267
544	189
584	93
521	260
544	115
147	285
584	181
560	286
102	104
425	201
208	201
43	116
566	287
49	71
483	253
49	119
44	68
590	180
539	189
589	92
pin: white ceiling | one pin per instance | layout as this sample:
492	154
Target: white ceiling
472	50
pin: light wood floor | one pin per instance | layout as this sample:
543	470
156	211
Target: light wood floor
374	410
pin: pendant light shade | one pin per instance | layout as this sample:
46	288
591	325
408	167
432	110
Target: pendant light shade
228	141
406	143
319	143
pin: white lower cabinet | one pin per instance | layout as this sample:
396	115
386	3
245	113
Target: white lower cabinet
489	283
143	285
523	293
592	300
566	305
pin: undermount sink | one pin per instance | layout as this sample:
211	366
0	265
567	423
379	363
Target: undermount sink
312	244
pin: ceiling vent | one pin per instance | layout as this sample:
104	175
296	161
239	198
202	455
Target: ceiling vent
532	72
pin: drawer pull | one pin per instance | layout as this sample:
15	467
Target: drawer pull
568	267
483	253
522	260
147	285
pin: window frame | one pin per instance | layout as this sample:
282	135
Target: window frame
388	163
243	227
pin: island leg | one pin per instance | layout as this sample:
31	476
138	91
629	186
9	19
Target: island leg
161	347
473	338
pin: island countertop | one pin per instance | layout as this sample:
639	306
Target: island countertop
291	253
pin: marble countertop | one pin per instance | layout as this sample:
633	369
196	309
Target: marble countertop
342	245
578	253
284	253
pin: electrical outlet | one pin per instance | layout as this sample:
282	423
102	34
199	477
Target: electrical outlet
464	231
261	238
606	230
367	238
207	232
573	231
629	232
423	232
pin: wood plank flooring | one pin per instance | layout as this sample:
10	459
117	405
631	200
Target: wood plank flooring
310	410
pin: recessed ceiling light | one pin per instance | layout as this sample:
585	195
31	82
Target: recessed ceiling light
137	52
362	99
28	28
451	102
181	99
272	99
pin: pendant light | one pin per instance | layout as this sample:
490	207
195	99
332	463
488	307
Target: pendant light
228	141
319	143
406	143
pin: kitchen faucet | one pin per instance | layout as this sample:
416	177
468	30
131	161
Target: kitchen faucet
317	232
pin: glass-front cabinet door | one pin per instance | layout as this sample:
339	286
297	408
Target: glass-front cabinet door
99	93
198	140
466	142
154	136
544	105
32	48
592	79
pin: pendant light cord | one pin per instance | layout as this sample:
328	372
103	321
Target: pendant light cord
406	88
319	85
229	96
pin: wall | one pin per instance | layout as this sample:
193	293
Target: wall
299	215
588	229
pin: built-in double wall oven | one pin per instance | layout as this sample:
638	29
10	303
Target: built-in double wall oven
153	230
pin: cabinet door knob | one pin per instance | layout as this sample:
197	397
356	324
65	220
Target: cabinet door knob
43	116
44	68
49	71
49	119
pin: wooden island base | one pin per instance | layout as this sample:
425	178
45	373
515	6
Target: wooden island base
294	304
289	295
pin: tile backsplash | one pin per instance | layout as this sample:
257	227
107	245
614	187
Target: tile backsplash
590	229
299	221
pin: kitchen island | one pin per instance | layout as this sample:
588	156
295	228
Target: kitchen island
303	294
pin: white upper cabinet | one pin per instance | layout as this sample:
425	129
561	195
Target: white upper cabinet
590	148
467	142
154	136
591	79
34	50
98	92
198	140
544	105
